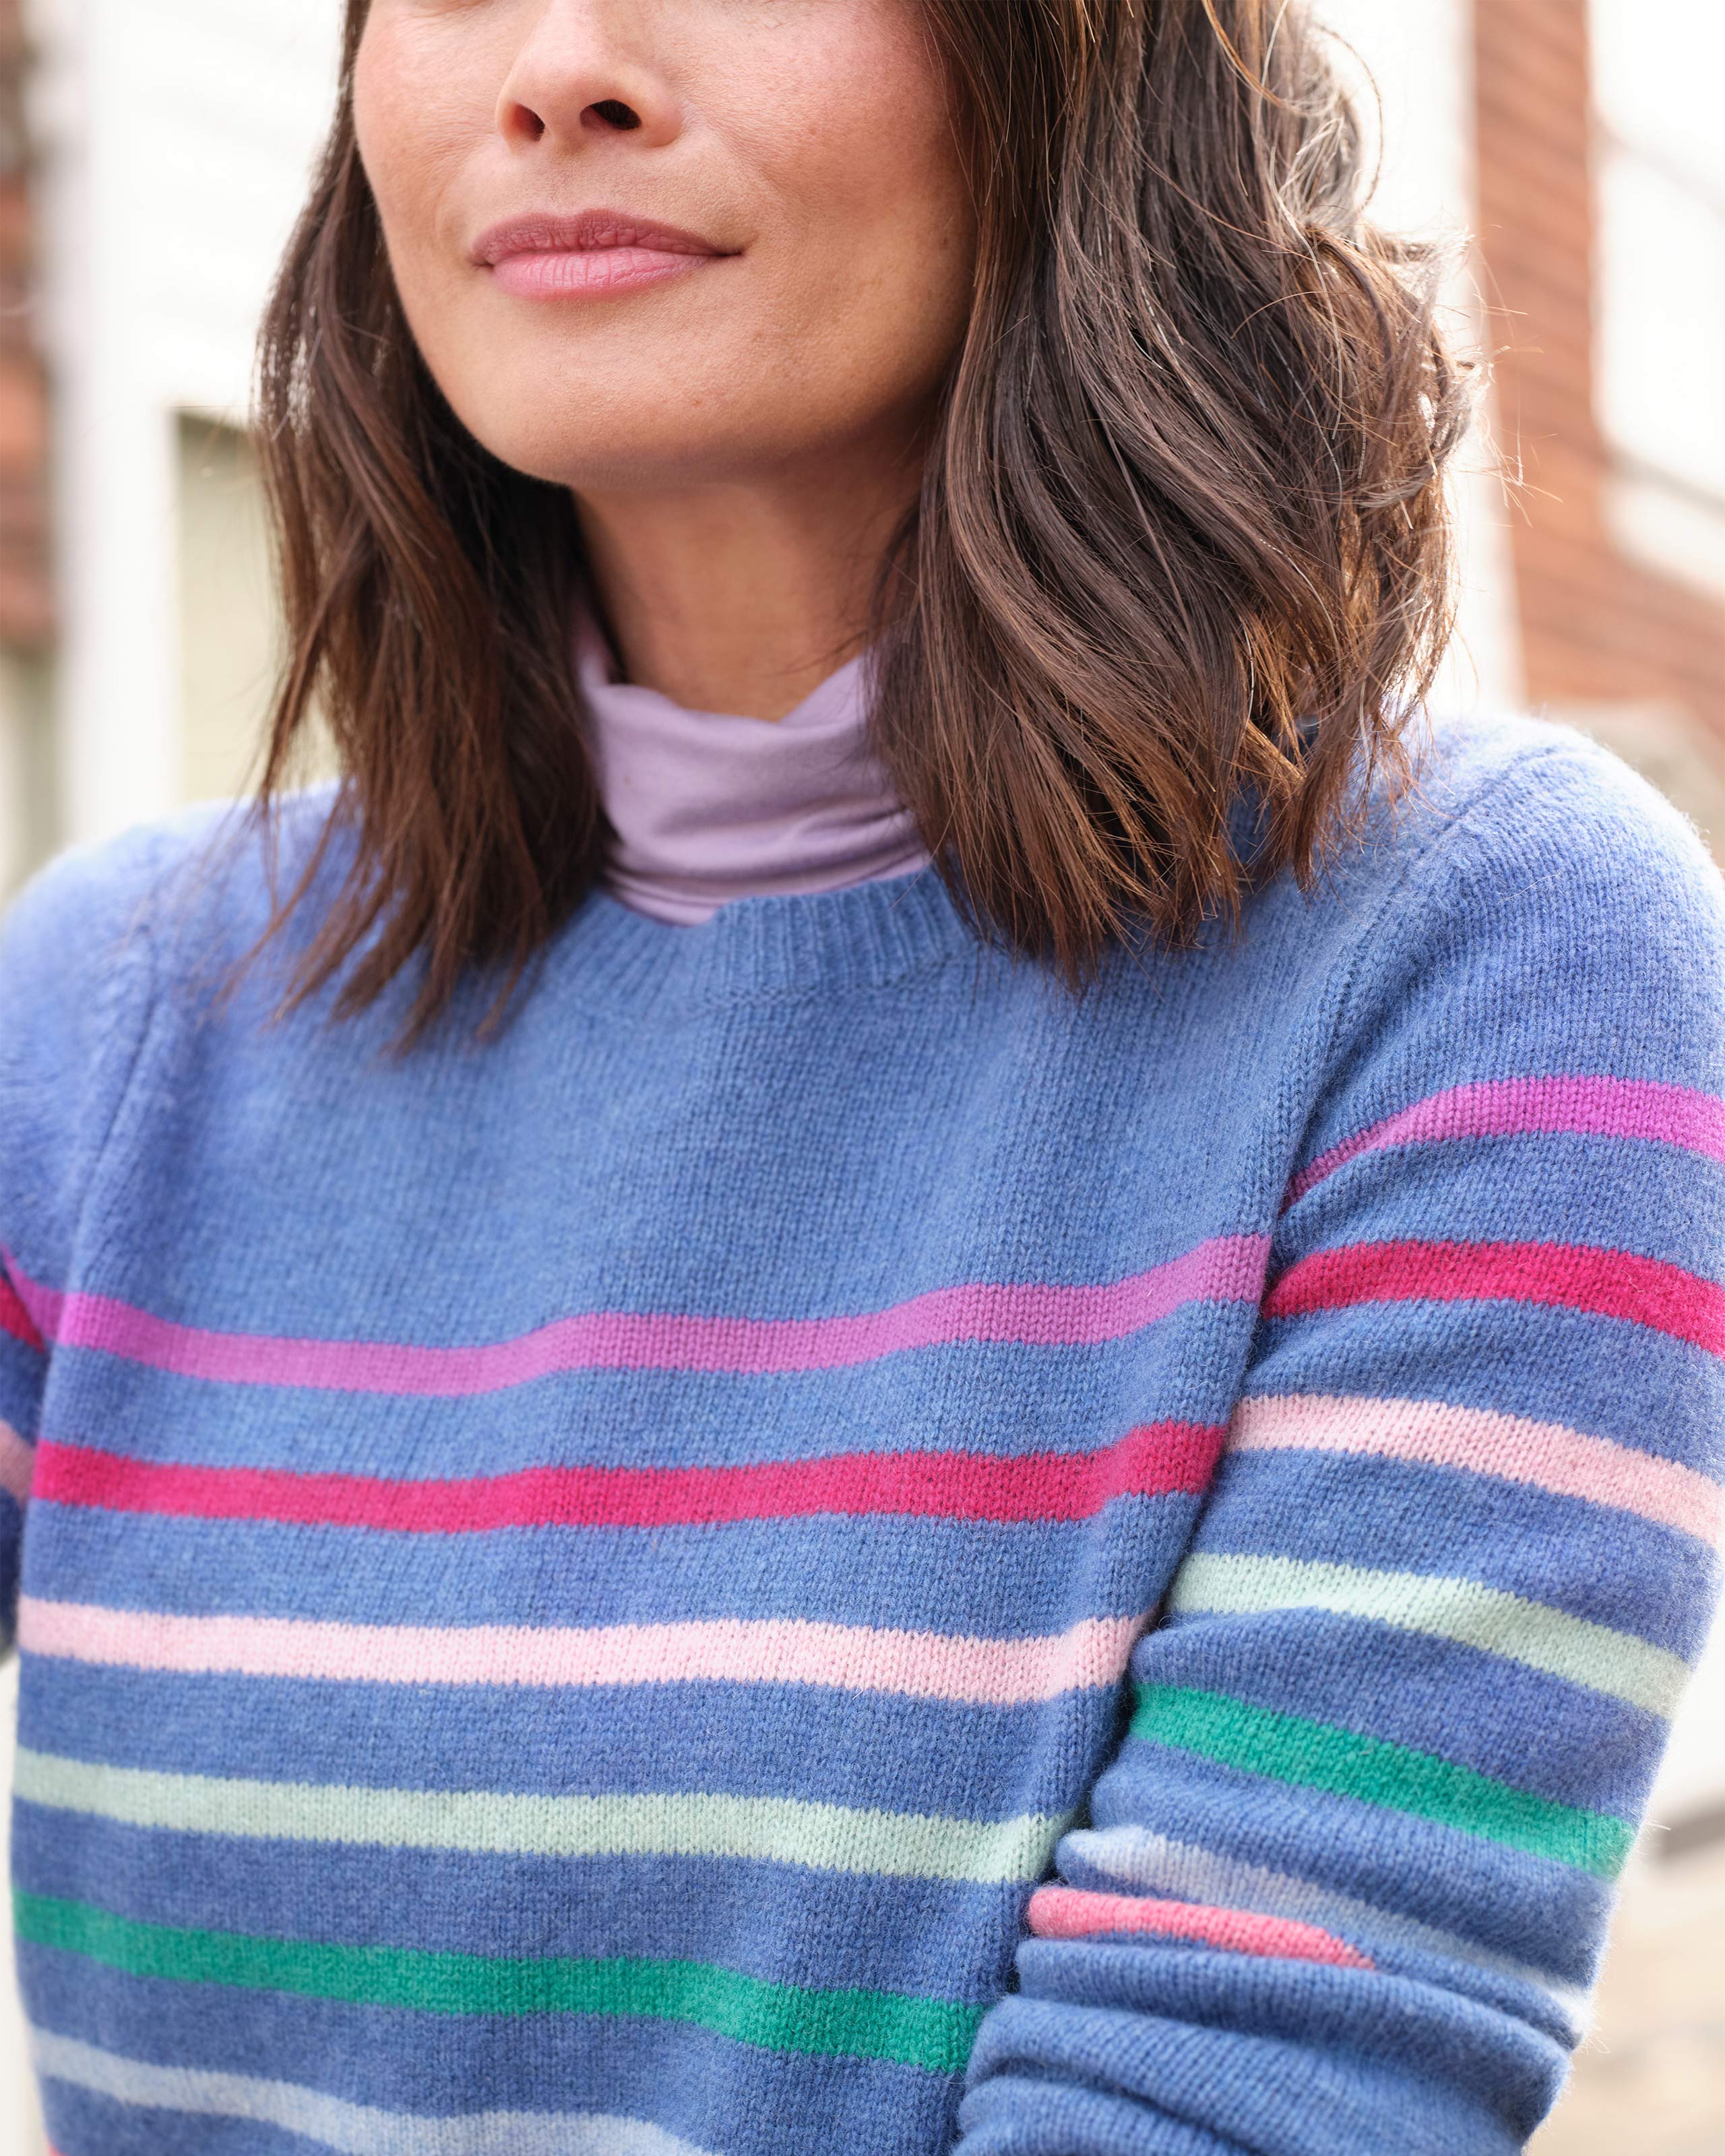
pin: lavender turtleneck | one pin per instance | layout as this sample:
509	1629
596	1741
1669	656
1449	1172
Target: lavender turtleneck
709	808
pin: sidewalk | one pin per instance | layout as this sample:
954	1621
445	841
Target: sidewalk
1651	2078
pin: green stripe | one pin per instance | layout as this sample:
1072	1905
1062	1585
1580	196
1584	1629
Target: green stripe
1464	1611
762	1829
935	2034
1314	1755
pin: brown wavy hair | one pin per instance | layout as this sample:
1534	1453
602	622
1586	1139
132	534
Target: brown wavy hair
1183	536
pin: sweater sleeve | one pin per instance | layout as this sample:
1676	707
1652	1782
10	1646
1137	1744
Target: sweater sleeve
23	1370
1345	1885
74	984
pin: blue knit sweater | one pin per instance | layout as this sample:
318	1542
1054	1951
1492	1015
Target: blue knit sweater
821	1548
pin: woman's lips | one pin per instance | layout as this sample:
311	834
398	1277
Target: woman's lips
595	255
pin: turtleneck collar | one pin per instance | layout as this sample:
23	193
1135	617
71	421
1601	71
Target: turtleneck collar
709	808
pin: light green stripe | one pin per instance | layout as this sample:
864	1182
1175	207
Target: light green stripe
934	2034
1464	1610
763	1830
1318	1755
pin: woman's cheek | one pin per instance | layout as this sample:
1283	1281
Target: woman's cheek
420	117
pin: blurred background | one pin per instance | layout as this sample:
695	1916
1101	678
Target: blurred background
153	157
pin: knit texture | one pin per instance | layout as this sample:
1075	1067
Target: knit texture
821	1548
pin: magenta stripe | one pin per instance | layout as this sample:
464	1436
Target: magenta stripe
17	1465
1520	1108
15	1317
1228	1269
1159	1459
1547	1454
1621	1285
1068	1913
776	1650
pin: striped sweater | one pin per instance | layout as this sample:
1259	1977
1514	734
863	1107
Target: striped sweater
822	1548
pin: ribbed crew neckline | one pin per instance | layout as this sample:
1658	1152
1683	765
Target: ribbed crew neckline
866	936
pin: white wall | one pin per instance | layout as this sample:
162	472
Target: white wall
176	136
1419	56
1661	323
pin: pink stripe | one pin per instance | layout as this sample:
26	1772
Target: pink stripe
782	1651
1577	1276
1521	1108
1546	1454
1228	1269
1067	1912
17	1465
1160	1459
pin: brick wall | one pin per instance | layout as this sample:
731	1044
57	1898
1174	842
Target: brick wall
1598	627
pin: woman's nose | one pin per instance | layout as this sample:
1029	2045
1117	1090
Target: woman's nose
588	69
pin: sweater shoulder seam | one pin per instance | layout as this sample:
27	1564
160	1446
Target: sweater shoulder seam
1419	862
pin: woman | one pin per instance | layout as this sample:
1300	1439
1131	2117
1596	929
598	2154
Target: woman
874	1363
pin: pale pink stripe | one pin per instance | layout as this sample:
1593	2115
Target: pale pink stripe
844	1657
1228	1269
1513	1107
1545	1453
17	1465
1069	1912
